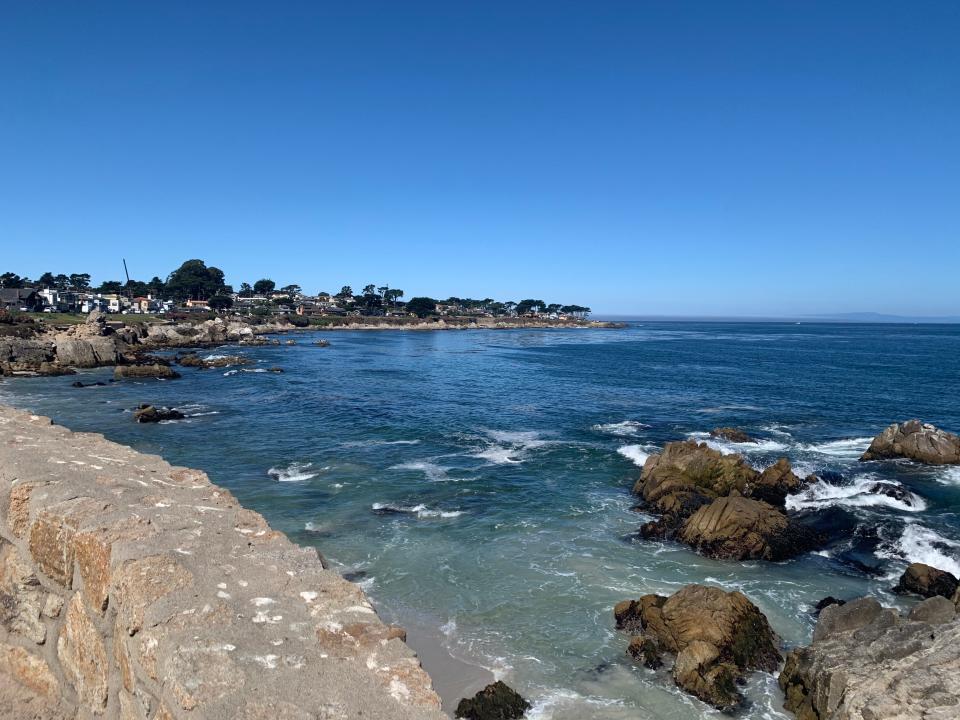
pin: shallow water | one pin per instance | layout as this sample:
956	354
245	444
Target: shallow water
478	481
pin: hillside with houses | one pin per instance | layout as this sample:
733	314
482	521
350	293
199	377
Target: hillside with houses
195	288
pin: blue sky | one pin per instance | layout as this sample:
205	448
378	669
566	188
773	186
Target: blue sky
757	158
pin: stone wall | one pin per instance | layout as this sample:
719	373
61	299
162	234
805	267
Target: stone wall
133	589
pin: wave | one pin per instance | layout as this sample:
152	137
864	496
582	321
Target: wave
626	427
376	443
295	472
863	491
847	448
509	447
433	472
949	475
761	445
636	454
923	545
420	511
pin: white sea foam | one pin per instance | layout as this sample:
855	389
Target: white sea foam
449	628
634	453
509	447
847	448
949	475
420	510
625	428
433	472
295	472
762	445
376	443
862	491
496	455
921	544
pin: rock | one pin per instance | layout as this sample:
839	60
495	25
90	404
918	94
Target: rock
717	638
275	369
926	581
496	701
739	528
776	482
290	342
871	664
935	610
917	441
83	656
145	371
732	434
79	384
217	361
827	602
54	369
150	414
321	343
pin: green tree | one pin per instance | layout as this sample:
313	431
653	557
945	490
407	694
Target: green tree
110	286
346	293
11	280
62	281
220	302
525	307
194	280
246	290
47	280
291	290
157	287
264	286
422	306
80	281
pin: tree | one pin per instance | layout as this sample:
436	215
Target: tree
11	280
264	286
527	306
422	306
47	280
246	290
392	295
346	293
110	287
291	290
194	280
220	302
157	288
80	281
62	281
554	308
136	288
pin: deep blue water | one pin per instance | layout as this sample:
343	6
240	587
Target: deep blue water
477	482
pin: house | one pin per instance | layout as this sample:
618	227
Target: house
197	305
25	299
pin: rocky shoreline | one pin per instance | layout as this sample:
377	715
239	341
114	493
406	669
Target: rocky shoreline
29	349
865	662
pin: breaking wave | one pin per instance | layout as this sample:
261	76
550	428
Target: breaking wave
863	491
625	428
636	454
295	472
420	511
432	471
923	545
848	448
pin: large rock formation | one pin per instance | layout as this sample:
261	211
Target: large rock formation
716	636
156	370
867	662
926	581
133	589
915	440
738	528
732	434
720	504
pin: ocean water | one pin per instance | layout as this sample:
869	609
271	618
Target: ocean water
478	482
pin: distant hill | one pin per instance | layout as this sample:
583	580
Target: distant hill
872	317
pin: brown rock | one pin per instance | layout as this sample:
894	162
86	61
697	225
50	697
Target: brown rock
139	583
739	528
917	441
926	581
151	414
18	513
775	483
29	670
92	554
83	657
145	371
732	434
717	637
51	545
22	599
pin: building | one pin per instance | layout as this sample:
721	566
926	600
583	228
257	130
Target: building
24	299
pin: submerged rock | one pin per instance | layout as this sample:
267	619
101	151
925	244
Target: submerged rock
926	581
219	361
145	371
150	414
716	636
496	701
867	662
917	441
732	434
321	343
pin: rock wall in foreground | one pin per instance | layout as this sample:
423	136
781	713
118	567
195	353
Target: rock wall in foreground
133	589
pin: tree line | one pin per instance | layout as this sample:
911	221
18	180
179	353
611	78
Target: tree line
195	280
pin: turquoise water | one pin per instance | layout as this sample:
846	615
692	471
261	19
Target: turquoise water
478	481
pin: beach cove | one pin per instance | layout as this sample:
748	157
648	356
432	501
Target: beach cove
477	485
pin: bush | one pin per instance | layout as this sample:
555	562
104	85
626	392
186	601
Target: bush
298	321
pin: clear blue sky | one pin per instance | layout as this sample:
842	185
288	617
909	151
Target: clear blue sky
760	158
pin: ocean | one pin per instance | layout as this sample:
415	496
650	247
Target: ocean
478	482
